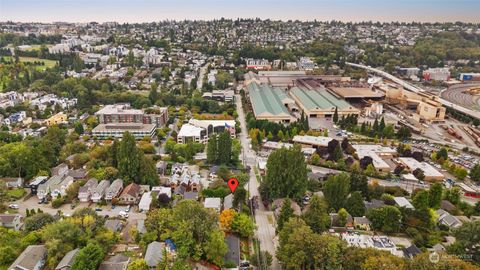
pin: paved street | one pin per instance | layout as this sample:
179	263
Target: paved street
265	230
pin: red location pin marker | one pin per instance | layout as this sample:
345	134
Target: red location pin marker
232	184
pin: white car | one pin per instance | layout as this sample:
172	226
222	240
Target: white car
123	214
13	206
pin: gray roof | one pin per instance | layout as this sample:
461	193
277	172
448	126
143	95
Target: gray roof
67	260
117	262
154	253
267	100
29	257
319	99
228	201
233	254
113	224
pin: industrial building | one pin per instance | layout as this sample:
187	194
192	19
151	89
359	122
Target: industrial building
270	104
430	173
378	153
319	103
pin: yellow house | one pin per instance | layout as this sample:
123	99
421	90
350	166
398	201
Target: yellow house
57	119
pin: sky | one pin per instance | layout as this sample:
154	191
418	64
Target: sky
157	10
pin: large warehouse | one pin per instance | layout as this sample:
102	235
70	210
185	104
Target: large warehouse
269	103
319	103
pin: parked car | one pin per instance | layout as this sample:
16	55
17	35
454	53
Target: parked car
13	206
98	209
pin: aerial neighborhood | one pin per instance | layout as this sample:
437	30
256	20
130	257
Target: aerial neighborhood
239	144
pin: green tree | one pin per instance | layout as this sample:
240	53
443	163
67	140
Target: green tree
243	225
475	173
335	115
138	264
286	212
336	190
359	182
467	240
224	148
337	153
286	174
212	151
342	217
421	200
88	258
153	95
59	238
435	195
453	195
442	154
355	205
215	247
386	218
301	248
37	221
239	197
79	128
128	158
316	215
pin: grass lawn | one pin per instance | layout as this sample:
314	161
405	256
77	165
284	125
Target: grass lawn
48	63
17	193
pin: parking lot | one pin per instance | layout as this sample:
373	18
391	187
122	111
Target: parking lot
66	209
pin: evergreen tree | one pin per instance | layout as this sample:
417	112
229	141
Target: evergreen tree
435	195
212	150
355	205
336	190
475	173
335	115
381	126
224	148
153	95
128	158
337	153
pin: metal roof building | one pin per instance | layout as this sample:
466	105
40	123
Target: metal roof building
269	103
321	102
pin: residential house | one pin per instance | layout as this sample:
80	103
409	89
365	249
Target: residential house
61	170
403	202
67	260
86	191
362	223
32	258
55	186
448	220
162	190
114	189
11	221
130	194
154	254
117	262
78	174
12	182
145	201
100	191
411	251
334	222
213	203
228	201
35	183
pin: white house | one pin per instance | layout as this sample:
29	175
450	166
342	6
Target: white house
114	189
213	203
100	191
85	192
145	201
55	186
